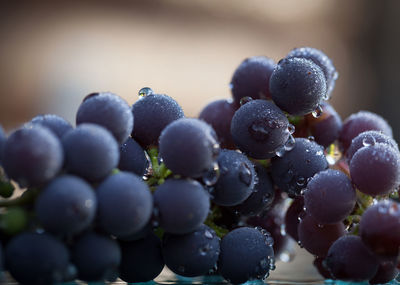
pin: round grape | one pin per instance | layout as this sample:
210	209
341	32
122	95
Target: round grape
132	158
58	125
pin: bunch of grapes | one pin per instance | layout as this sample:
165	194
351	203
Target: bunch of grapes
130	190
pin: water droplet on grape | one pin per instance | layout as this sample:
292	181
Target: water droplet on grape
317	112
211	176
145	91
280	151
290	143
208	234
291	129
245	100
245	174
301	181
369	141
311	138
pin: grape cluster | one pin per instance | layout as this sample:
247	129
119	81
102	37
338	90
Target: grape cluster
130	190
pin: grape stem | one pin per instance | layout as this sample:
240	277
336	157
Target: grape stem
160	171
26	198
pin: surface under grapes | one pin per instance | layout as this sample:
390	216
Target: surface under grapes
128	191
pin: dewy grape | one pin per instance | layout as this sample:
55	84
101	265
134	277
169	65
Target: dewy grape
134	189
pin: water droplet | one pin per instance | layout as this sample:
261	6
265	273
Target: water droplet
208	234
283	229
245	174
311	138
280	151
291	129
259	131
317	112
290	143
230	85
264	263
245	100
319	153
211	176
301	181
145	91
320	226
369	141
216	150
204	250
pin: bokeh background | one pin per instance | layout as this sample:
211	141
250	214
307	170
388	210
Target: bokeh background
53	53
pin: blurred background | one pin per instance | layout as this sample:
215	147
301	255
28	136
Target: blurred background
53	53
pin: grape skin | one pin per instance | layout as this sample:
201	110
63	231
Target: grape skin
182	205
33	155
91	152
58	125
192	254
66	206
152	114
259	128
297	86
189	147
125	204
108	110
132	158
292	217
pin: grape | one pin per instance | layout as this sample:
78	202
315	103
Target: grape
292	219
33	155
326	128
236	181
3	139
219	115
262	197
349	259
320	59
132	158
67	205
192	254
36	259
96	257
125	204
292	171
108	110
141	260
361	122
379	228
143	233
317	238
245	254
59	126
188	147
259	128
387	271
369	138
319	265
375	170
152	113
182	205
329	197
297	86
251	78
90	151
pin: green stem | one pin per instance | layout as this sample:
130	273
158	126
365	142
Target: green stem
26	198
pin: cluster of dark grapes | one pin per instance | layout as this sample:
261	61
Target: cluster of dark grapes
130	190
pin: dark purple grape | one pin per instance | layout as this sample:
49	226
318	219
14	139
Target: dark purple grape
297	86
3	139
320	59
66	206
236	181
36	259
329	197
387	271
125	204
251	78
189	147
317	238
369	138
58	125
141	260
132	158
292	171
326	128
192	254
108	110
96	257
322	270
246	254
262	197
350	259
379	228
259	129
292	217
33	155
182	205
90	152
152	113
219	115
375	170
361	122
